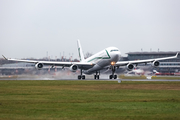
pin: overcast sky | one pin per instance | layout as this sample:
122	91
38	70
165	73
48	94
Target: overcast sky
30	28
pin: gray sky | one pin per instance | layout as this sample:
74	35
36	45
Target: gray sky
30	28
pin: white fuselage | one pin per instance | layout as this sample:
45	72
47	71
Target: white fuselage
106	57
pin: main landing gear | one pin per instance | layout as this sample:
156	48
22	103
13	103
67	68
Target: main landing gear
97	76
81	76
113	76
113	71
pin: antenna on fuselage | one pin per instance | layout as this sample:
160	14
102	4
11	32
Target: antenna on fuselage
81	55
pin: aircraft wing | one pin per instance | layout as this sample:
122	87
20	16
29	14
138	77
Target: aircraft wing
123	63
55	63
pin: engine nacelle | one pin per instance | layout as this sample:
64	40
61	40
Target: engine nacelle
73	68
39	66
155	64
130	67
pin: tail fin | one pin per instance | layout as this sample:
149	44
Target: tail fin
81	55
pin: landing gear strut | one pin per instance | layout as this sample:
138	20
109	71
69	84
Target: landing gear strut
81	76
96	76
113	71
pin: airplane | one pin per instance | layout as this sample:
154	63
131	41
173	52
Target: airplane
105	59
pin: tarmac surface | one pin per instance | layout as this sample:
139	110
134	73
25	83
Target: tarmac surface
74	77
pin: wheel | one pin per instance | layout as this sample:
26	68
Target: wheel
79	77
83	77
111	76
95	76
115	76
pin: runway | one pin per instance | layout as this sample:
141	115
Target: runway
163	80
88	79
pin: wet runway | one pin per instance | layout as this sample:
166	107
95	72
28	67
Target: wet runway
163	80
104	78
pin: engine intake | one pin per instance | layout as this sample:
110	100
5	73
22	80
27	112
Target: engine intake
39	66
73	68
130	67
155	64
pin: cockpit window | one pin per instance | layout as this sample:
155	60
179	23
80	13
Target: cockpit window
114	50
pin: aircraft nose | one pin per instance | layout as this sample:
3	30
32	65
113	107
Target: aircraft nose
116	57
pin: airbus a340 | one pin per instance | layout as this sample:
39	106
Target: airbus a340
105	59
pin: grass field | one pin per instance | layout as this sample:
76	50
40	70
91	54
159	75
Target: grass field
87	100
153	77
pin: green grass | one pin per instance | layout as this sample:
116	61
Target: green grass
166	77
153	77
87	100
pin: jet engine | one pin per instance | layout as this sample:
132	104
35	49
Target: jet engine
155	64
73	68
39	66
130	67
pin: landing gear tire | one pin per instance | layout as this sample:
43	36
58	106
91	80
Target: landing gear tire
81	77
113	76
96	76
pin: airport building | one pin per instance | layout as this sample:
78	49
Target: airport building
152	55
166	66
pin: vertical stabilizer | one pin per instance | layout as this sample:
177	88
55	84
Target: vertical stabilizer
81	55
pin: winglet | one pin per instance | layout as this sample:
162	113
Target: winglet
177	55
4	57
